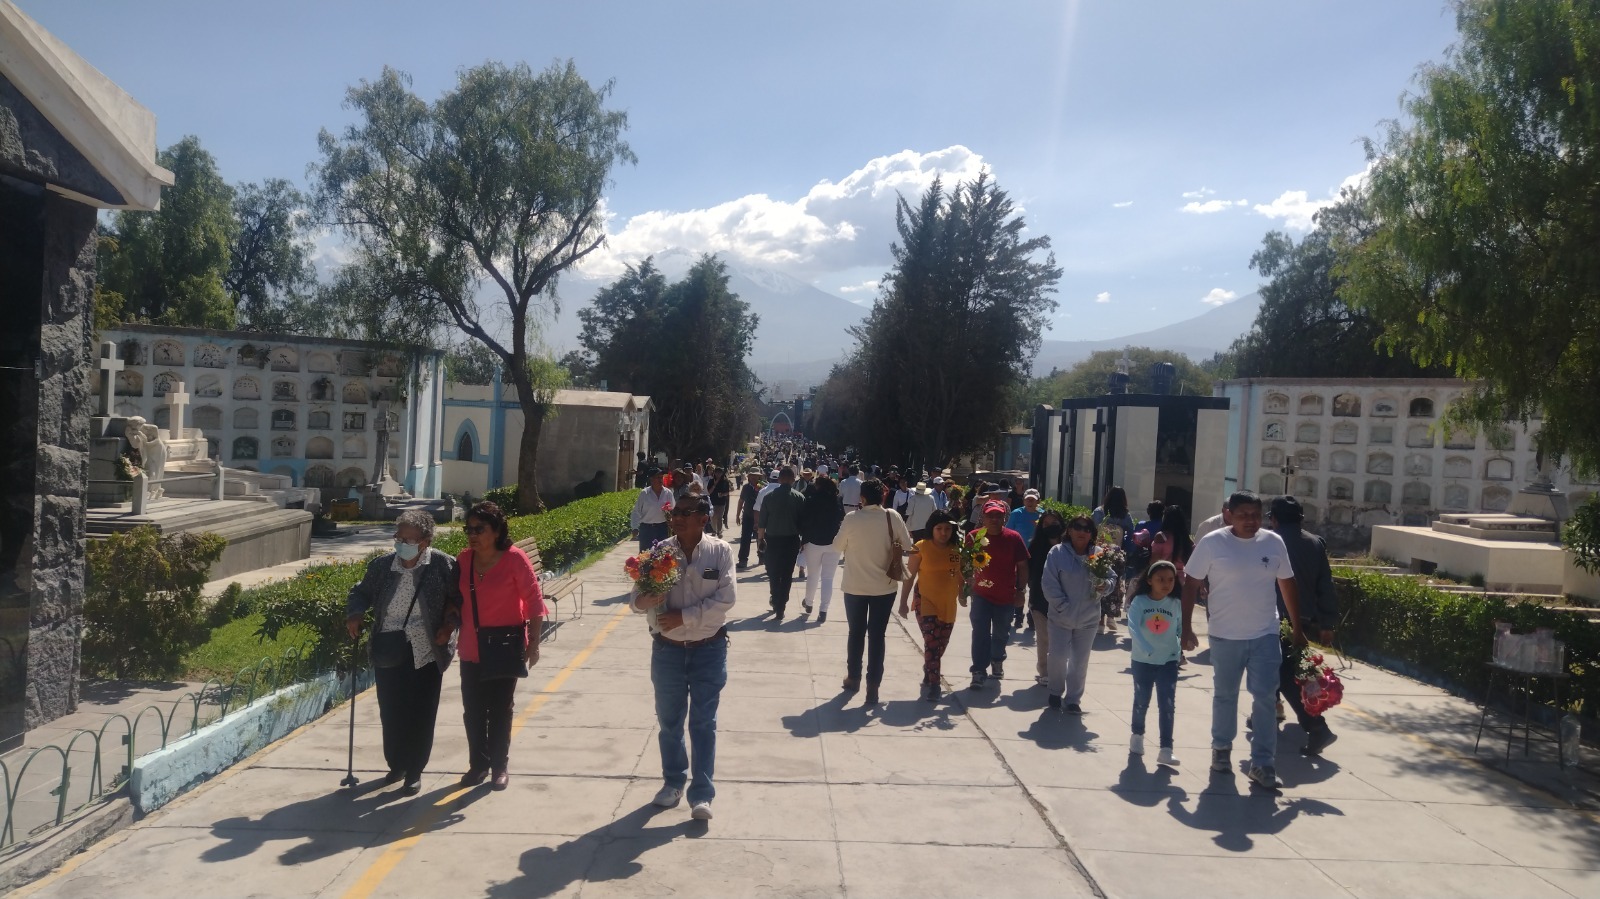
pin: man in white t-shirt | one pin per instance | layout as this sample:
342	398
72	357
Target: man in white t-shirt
850	490
1215	523
1244	563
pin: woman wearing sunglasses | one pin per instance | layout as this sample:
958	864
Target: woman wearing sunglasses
1073	595
499	591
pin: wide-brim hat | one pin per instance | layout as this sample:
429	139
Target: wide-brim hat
922	487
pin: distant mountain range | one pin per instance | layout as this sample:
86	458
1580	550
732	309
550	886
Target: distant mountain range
803	330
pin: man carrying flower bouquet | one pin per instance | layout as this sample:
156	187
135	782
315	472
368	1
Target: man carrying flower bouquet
1000	588
689	658
1319	611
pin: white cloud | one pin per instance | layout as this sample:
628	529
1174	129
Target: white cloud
1297	209
863	287
1209	206
1103	297
1123	205
1200	194
836	225
1217	296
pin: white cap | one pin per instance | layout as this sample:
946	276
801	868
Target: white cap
938	480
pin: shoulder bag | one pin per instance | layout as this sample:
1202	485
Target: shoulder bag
501	649
896	568
392	649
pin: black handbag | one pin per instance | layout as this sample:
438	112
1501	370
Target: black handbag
392	649
501	649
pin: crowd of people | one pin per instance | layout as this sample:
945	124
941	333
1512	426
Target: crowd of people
1014	565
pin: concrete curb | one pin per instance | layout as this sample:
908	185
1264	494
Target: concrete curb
158	777
38	859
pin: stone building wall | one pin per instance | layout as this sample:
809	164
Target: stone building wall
56	615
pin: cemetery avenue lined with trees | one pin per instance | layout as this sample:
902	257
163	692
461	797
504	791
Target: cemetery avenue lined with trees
440	227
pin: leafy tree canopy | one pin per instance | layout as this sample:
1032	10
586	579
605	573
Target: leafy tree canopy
497	183
1092	376
270	275
169	266
470	362
1487	199
684	344
955	327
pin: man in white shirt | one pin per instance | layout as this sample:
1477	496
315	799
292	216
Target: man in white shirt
689	658
1243	564
1215	523
649	516
941	499
919	505
850	490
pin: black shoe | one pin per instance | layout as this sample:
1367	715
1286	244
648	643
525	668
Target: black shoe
851	684
1072	708
1054	702
393	777
822	618
998	669
872	695
473	777
977	681
777	617
412	788
1318	741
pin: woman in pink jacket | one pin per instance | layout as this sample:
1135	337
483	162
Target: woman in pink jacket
498	579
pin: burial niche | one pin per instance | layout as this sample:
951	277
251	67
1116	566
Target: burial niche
1496	499
129	383
1384	407
1306	460
319	420
283	420
1416	493
282	447
209	355
1308	432
246	388
208	386
1421	407
319	448
322	390
1273	431
320	476
245	448
1305	487
1419	465
355	393
246	419
1497	470
1272	456
1311	404
1272	484
1457	467
285	390
1419	435
1276	404
1457	496
1380	463
1347	405
207	418
1377	492
1342	460
1341	488
355	447
1345	432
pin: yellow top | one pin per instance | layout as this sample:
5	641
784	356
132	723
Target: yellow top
938	579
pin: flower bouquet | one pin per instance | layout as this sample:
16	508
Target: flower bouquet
654	573
974	553
1320	687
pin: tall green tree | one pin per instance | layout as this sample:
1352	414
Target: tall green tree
956	325
497	183
1304	329
270	275
685	344
169	265
1487	198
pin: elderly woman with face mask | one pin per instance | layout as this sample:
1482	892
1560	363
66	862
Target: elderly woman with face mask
415	604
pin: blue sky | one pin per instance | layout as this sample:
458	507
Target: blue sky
1105	120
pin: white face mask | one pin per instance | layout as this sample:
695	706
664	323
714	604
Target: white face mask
406	551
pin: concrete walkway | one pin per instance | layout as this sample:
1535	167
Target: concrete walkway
985	794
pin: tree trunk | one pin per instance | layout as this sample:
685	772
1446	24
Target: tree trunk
528	500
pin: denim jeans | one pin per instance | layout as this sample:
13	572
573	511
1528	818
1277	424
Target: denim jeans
1163	679
869	620
689	686
991	628
651	534
1256	661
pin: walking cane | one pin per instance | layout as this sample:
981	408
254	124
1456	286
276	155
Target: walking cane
350	778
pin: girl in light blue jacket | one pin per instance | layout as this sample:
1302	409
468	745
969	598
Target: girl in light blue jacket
1155	623
1073	596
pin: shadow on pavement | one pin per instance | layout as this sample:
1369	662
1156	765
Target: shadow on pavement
1237	820
610	852
327	821
1146	787
1054	730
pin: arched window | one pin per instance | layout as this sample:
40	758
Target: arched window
1276	404
1421	407
1311	404
1341	488
246	419
1416	493
464	448
1342	460
1380	463
320	476
1308	432
1419	435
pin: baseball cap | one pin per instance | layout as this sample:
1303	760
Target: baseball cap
995	505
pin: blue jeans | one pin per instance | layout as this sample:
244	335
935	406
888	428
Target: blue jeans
651	534
689	686
1163	679
1257	662
991	628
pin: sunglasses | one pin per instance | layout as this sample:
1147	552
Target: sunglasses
1080	529
474	530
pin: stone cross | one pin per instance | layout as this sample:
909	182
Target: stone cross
109	366
177	398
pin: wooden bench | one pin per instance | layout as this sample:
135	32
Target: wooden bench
555	588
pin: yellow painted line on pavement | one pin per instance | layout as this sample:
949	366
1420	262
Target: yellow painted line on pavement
374	876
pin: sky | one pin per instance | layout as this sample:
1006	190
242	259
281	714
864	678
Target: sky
1153	141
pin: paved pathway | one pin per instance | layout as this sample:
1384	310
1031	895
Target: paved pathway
986	794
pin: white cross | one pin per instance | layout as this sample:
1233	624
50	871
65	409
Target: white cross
177	398
109	366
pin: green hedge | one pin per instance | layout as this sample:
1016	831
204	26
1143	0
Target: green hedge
1449	637
568	533
1066	510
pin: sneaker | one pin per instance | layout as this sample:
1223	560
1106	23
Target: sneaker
1072	708
1266	778
1167	758
977	681
701	811
1318	740
823	618
1222	760
668	797
999	670
1136	744
1054	702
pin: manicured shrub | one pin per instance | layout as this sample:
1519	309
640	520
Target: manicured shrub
143	607
565	534
1450	636
504	497
1581	535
